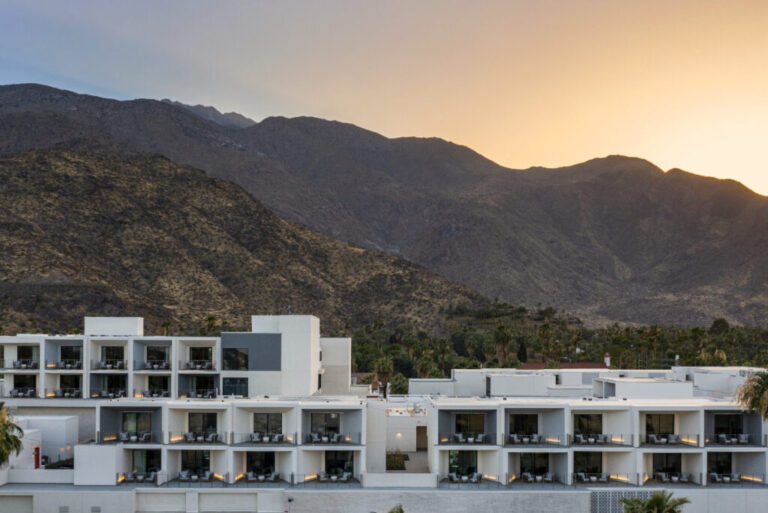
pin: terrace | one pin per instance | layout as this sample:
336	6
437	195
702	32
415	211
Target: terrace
590	429
537	468
467	427
199	427
668	468
665	429
265	429
64	354
534	428
152	356
110	356
733	428
130	425
341	427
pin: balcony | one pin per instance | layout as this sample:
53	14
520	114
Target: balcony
535	440
318	438
605	479
108	365
654	440
131	437
110	393
25	364
264	439
63	365
672	479
64	393
734	440
152	393
466	439
198	365
601	439
200	393
735	479
152	365
23	393
198	437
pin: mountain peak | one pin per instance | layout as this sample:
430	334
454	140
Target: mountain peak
227	119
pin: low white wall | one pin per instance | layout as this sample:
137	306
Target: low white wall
399	480
96	464
41	475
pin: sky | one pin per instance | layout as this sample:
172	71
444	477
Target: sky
681	83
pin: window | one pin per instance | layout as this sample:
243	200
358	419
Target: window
236	386
719	462
202	354
202	384
157	354
197	462
588	462
588	424
728	424
145	461
337	462
534	462
25	381
470	423
158	383
27	353
137	421
659	424
70	353
319	381
69	382
112	382
111	353
524	424
325	423
667	462
202	422
260	462
269	423
235	359
462	462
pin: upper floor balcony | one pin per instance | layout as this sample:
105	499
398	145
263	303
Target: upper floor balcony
476	427
64	365
332	427
733	428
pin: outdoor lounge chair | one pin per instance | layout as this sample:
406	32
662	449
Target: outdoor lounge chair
30	393
603	477
346	476
480	439
212	438
460	438
527	477
124	436
476	477
145	437
274	476
453	477
316	438
151	477
184	475
673	439
549	477
514	439
256	437
208	366
653	439
582	477
15	393
322	477
580	439
663	477
715	478
535	439
735	477
602	439
189	437
250	476
743	439
278	438
685	477
336	438
130	477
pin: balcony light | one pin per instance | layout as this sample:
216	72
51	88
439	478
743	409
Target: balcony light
121	478
310	477
754	479
218	476
488	476
347	439
110	438
552	440
617	439
138	394
177	438
512	478
239	476
690	440
50	365
50	394
618	477
645	478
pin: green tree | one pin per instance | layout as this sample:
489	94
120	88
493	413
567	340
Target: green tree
10	436
399	384
383	369
397	509
502	338
719	326
659	502
753	394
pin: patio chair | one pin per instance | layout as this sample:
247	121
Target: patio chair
30	393
212	438
514	439
743	439
274	476
316	438
685	477
549	477
256	437
527	477
653	439
580	439
130	477
460	438
184	475
582	477
207	476
722	439
535	439
476	477
124	436
323	477
250	476
735	477
278	438
189	437
602	439
480	439
663	477
208	366
77	394
673	439
336	438
603	477
151	477
715	478
15	392
145	437
140	478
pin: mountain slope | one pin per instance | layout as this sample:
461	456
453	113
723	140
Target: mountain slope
612	239
85	233
228	119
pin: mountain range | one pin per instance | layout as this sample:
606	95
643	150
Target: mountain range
614	239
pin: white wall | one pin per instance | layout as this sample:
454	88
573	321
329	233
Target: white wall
337	358
116	326
97	464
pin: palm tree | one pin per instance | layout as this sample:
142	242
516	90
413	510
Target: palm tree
752	396
659	502
10	436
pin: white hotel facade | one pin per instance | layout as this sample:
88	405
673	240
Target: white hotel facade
269	420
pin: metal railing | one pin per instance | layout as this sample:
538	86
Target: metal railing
108	365
151	477
199	437
130	437
23	393
204	365
64	393
736	478
515	439
161	365
332	439
201	477
581	439
109	393
25	364
541	479
672	478
605	478
670	439
257	438
200	393
471	480
323	478
152	393
467	438
732	439
257	477
64	364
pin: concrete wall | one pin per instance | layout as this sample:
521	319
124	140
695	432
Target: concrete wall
534	385
117	326
337	358
97	464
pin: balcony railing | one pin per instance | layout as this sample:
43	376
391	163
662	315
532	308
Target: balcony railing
654	440
24	392
64	393
63	364
152	393
198	437
467	438
535	478
130	437
200	393
736	478
158	365
672	478
581	439
261	438
109	393
332	439
108	365
150	477
204	365
25	364
535	439
604	478
325	478
734	439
